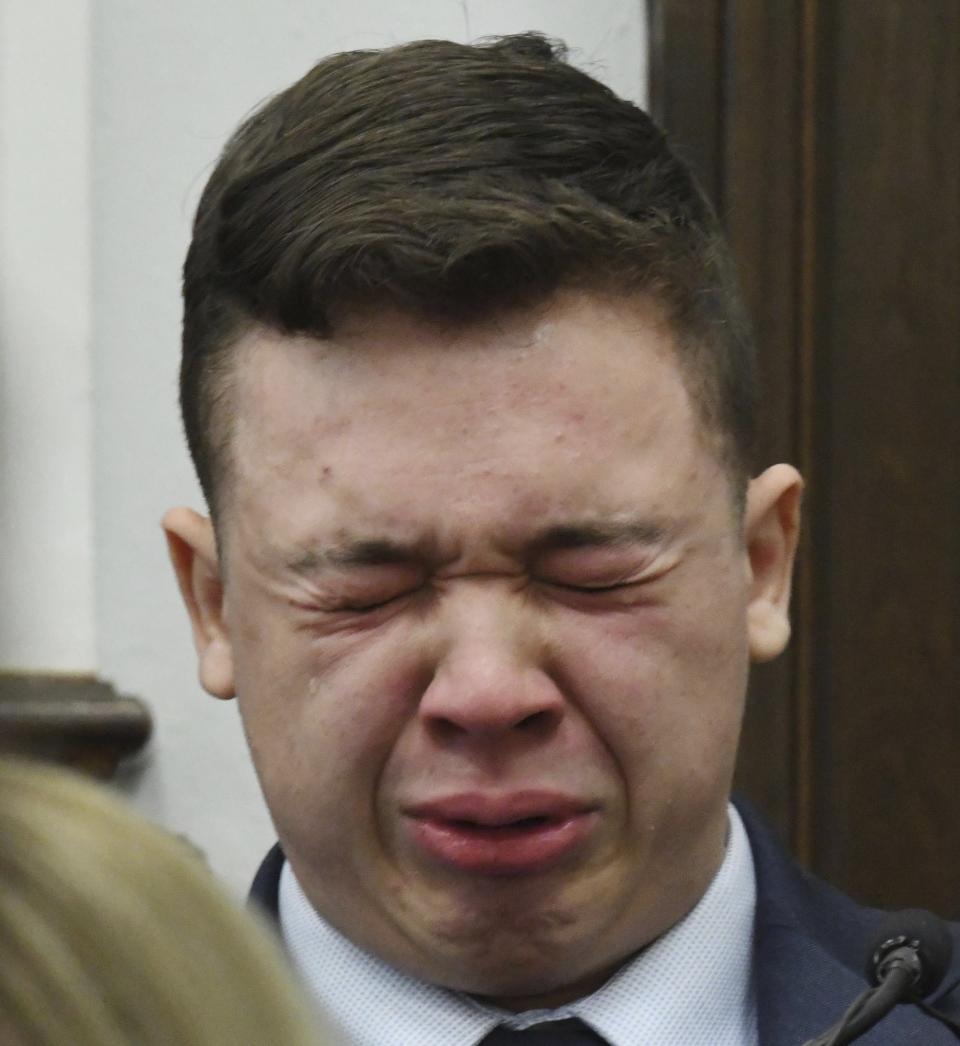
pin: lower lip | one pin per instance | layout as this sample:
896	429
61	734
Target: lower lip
506	850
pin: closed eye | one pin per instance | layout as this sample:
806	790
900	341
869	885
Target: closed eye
591	589
618	594
368	607
594	588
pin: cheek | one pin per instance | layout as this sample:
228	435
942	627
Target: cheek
663	688
321	714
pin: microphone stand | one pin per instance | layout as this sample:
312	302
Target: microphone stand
905	966
868	1008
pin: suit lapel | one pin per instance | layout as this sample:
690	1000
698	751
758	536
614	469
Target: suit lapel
809	946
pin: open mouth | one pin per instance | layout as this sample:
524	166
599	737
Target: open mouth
495	844
515	829
535	821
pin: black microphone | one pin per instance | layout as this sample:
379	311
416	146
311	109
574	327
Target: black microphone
912	940
907	959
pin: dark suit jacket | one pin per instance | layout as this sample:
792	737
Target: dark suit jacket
810	943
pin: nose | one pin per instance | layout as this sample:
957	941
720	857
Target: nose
491	679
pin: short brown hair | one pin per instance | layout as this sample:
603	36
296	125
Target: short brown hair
452	181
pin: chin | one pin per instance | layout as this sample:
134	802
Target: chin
514	953
508	976
524	980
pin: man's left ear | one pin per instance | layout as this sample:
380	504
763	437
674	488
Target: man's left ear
771	529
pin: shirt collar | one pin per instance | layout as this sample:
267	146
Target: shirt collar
693	985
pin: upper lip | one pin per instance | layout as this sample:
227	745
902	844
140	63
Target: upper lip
501	808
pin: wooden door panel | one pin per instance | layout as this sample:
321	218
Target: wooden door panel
831	142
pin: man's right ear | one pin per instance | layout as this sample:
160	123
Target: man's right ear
193	552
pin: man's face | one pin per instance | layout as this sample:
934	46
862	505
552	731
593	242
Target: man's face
485	609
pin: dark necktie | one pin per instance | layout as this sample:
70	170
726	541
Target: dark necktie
570	1032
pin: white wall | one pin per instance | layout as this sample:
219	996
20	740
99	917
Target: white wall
169	81
47	607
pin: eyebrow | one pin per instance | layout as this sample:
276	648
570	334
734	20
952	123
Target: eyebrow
600	534
360	553
372	552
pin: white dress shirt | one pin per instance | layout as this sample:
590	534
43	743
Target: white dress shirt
691	987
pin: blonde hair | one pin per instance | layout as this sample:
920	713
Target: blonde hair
113	934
